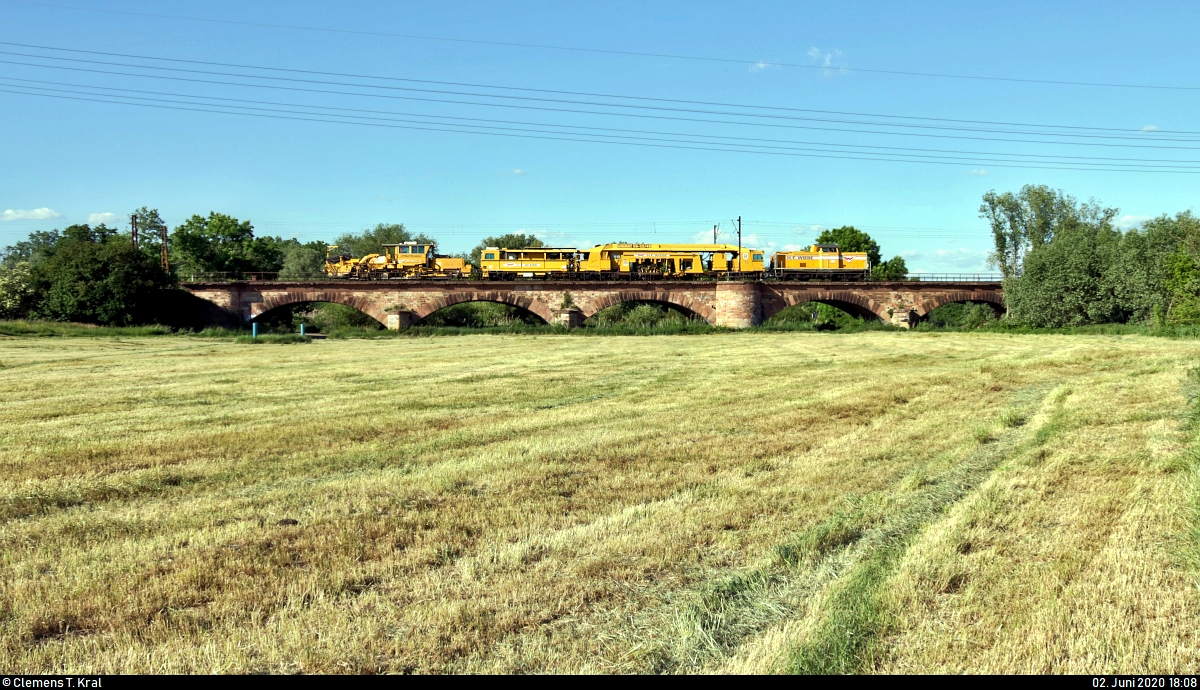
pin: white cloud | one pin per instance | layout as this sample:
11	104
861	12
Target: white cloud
959	260
518	171
1128	222
106	218
42	213
831	61
978	172
1150	128
762	65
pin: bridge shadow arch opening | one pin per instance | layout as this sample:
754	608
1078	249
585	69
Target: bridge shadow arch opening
642	312
524	306
676	303
795	308
320	316
992	300
969	313
481	313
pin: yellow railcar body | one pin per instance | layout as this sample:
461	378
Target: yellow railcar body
670	260
532	262
820	258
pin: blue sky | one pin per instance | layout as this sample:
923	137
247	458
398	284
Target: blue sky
67	160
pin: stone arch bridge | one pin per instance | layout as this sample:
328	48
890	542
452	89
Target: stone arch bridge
731	304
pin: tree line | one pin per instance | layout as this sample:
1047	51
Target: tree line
1065	263
98	274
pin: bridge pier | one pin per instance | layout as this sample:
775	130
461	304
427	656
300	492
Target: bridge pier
568	318
400	319
738	305
902	316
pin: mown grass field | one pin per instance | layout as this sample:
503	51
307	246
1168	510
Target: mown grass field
762	502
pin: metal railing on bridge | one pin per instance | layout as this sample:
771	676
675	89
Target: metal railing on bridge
228	277
955	277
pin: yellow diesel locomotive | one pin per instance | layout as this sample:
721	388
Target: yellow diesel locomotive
821	262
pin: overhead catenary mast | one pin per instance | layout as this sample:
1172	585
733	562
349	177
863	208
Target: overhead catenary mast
739	256
166	265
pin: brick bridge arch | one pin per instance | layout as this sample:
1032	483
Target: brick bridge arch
681	301
533	306
349	299
993	299
853	303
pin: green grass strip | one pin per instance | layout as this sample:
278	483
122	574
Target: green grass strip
855	615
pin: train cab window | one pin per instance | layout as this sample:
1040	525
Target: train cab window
490	256
536	255
554	256
585	255
756	257
511	256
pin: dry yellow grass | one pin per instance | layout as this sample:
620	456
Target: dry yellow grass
557	503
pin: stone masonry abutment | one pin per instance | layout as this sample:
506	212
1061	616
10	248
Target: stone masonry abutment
396	304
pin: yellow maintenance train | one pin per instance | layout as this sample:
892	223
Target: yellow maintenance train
617	260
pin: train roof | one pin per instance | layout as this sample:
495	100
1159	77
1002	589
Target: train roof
533	249
675	247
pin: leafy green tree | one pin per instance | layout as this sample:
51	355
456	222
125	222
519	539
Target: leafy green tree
851	239
514	240
16	290
1142	268
303	261
892	269
1181	269
1065	282
96	276
1031	218
31	250
223	244
150	225
371	241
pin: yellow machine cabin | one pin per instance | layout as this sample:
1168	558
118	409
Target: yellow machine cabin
413	260
822	260
398	261
669	260
532	262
